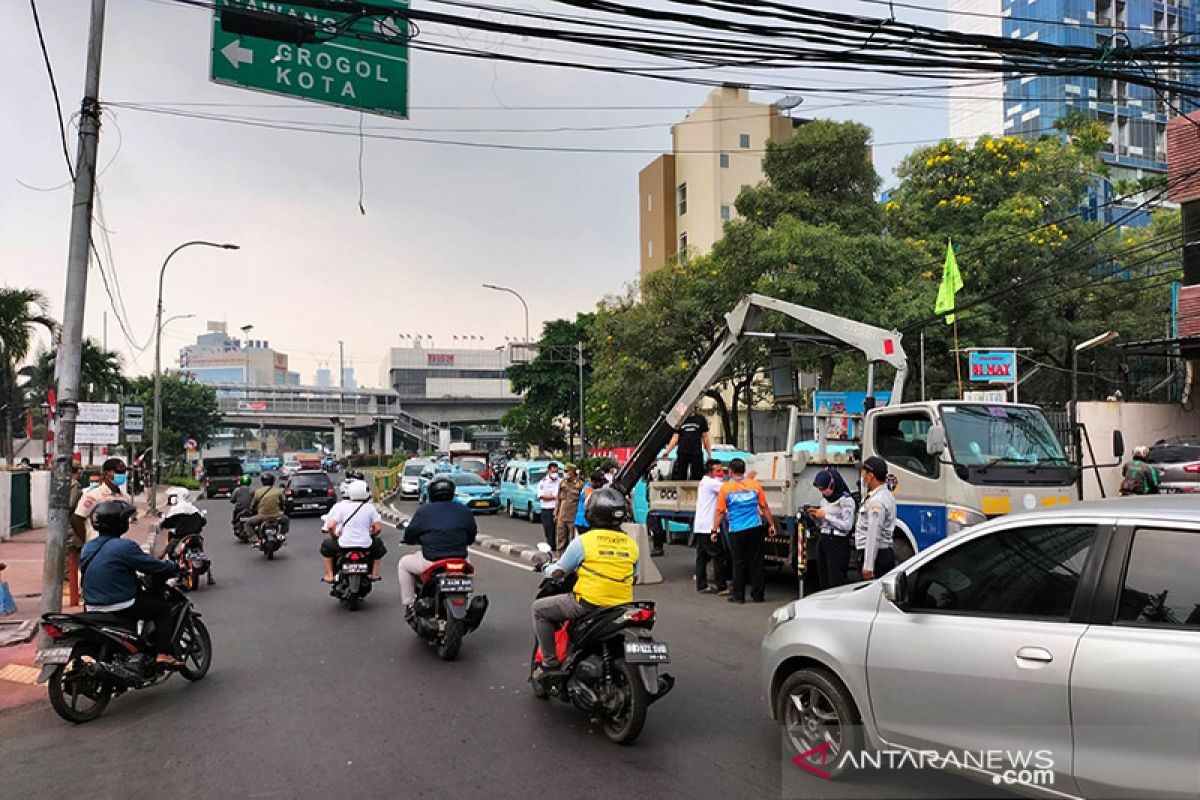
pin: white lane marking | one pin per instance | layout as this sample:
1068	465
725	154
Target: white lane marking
509	562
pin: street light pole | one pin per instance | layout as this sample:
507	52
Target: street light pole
158	326
524	305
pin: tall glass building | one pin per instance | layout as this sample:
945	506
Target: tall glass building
1028	106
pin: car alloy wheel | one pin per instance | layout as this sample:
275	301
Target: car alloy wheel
818	712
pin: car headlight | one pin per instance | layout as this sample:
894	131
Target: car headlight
780	616
959	519
461	496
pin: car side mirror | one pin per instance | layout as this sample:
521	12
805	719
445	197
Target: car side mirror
935	441
896	589
1118	444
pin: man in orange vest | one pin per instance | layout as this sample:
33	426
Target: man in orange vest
742	504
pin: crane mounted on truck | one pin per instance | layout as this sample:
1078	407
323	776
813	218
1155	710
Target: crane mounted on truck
957	463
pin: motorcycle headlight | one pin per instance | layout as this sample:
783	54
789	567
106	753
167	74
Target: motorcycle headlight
781	616
959	519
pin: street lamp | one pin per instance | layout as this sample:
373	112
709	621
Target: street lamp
158	326
246	337
1095	341
513	292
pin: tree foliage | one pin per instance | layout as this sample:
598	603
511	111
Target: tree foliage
22	311
189	411
549	414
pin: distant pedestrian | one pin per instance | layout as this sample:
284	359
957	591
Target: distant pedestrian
692	447
742	506
836	517
547	492
876	522
1138	477
709	548
569	490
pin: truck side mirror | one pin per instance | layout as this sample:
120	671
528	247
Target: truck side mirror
1118	445
935	441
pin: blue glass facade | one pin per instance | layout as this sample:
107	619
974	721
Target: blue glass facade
1135	115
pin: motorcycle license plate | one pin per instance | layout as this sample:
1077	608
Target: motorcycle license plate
53	655
356	568
456	583
647	653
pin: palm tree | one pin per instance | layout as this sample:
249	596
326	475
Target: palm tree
21	311
100	375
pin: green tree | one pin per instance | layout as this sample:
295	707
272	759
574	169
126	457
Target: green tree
101	374
21	312
549	413
189	411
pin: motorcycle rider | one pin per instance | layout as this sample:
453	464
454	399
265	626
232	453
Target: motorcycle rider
353	522
241	498
1138	477
443	528
266	504
110	565
607	563
182	520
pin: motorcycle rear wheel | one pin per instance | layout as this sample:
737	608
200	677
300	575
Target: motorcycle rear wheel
626	725
193	580
195	645
66	691
451	640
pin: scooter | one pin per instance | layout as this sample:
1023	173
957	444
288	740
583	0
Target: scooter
193	562
610	663
272	535
444	611
95	656
352	576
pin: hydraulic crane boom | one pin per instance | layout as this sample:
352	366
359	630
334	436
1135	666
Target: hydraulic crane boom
877	344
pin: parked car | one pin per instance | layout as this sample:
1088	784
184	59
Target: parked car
1177	461
308	491
410	478
518	487
221	475
471	491
1073	632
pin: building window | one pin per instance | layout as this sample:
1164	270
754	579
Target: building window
744	141
650	249
683	245
725	213
724	160
682	199
649	202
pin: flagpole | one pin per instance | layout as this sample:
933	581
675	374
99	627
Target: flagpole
957	359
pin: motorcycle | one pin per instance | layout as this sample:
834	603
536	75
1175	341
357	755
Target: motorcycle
352	576
239	531
444	611
272	535
609	660
97	656
189	555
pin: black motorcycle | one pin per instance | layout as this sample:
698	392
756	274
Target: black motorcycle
352	576
239	530
272	535
192	561
444	611
95	656
610	664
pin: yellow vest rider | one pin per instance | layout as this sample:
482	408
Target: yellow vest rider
606	563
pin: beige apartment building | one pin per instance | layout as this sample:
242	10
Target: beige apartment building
688	195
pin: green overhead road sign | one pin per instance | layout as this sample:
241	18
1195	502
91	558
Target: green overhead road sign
365	74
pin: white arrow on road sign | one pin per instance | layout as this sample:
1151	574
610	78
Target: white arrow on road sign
238	54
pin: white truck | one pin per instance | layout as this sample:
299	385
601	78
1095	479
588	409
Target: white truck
956	463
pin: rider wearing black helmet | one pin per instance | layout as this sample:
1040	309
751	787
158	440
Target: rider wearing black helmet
266	504
443	528
606	561
110	565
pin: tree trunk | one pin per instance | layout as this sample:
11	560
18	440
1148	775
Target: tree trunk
826	372
734	420
727	429
749	388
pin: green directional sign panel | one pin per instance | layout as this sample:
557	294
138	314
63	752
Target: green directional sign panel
367	74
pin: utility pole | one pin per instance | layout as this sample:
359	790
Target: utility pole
580	362
70	347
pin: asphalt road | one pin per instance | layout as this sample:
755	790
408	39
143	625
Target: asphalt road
306	699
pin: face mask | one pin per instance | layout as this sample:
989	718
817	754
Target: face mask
119	480
93	485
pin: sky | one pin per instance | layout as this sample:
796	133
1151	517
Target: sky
559	227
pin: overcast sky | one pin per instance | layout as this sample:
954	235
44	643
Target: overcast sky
561	228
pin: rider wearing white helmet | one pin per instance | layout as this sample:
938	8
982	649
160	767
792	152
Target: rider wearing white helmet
354	522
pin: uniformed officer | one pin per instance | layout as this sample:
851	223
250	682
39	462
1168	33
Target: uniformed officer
112	478
876	521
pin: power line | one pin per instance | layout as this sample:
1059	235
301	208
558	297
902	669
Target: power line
62	128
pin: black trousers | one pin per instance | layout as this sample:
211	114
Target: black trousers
330	548
548	527
657	530
833	560
710	552
746	547
885	560
688	467
153	610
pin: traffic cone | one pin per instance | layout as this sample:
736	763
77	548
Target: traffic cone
8	606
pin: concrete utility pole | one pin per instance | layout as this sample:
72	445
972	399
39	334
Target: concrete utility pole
580	362
70	346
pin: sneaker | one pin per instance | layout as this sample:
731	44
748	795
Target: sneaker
707	590
547	674
658	551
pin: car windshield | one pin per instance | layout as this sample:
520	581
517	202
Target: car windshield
982	435
472	464
414	469
467	479
311	481
536	475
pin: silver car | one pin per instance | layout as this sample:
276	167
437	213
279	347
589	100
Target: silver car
1066	640
1178	463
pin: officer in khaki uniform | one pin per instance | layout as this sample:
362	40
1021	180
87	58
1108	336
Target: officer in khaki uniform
569	490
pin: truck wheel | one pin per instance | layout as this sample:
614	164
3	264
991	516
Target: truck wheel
901	547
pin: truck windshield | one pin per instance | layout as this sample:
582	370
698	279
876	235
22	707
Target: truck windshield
983	436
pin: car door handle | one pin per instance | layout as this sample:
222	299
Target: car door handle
1038	654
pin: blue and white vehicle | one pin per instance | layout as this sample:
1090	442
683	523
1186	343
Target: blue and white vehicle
518	487
471	491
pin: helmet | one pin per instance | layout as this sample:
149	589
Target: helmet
176	495
1140	453
246	480
344	490
268	479
111	517
358	491
441	490
606	508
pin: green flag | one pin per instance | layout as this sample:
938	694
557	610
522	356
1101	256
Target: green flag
951	282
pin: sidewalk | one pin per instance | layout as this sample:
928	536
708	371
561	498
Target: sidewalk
23	556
